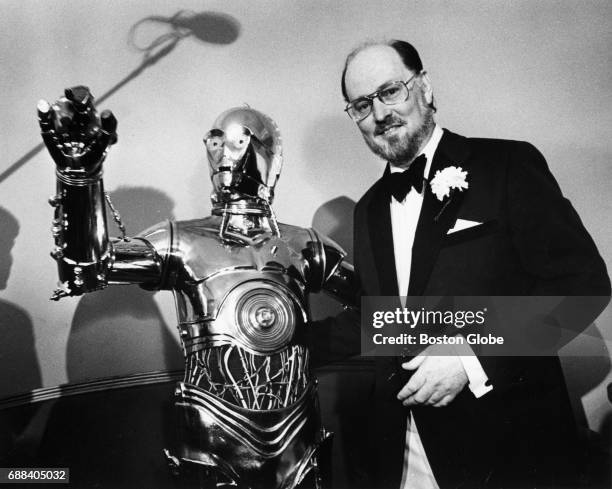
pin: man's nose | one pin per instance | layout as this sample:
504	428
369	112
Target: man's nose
379	110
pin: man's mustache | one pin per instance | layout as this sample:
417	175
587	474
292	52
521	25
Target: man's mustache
382	126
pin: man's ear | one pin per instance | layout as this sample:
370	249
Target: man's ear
427	88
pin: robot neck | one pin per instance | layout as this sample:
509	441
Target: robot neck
245	219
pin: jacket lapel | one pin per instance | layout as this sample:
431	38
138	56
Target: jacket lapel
381	237
436	217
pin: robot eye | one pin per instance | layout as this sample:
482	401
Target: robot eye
214	142
214	139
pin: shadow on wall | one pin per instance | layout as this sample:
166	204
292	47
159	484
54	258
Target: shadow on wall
120	330
18	360
19	367
207	27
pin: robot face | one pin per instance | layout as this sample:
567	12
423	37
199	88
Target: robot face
244	154
226	150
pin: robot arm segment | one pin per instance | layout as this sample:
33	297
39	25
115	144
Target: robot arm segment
335	276
342	284
145	259
135	261
82	249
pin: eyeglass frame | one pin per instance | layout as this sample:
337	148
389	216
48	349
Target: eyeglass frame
376	95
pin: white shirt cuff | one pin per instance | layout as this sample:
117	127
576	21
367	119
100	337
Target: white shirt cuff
477	378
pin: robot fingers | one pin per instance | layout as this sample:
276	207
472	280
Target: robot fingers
105	137
46	120
45	115
81	98
108	123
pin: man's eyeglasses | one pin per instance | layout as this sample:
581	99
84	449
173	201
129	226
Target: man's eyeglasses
390	94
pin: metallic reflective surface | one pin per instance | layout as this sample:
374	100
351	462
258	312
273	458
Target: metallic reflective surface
247	407
342	285
241	304
82	250
269	449
245	155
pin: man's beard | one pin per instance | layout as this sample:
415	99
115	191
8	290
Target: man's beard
403	147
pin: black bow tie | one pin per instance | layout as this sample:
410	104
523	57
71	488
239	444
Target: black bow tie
399	184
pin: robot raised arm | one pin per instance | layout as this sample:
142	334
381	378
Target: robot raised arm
78	139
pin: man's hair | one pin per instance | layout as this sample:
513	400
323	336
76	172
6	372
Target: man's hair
404	49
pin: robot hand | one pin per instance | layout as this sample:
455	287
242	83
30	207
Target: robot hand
76	137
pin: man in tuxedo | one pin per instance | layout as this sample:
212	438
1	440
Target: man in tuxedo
462	420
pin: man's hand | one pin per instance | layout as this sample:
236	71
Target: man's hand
436	381
75	136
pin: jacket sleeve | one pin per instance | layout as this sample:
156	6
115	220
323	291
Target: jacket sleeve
555	250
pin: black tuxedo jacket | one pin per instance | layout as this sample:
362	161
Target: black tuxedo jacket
531	242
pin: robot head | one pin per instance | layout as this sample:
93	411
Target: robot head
244	154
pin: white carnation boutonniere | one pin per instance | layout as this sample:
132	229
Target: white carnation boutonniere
447	181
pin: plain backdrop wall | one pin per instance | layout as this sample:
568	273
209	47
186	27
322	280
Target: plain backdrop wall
538	71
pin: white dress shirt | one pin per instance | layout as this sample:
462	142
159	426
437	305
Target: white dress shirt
417	472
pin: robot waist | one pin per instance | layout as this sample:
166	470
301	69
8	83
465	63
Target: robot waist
273	447
265	432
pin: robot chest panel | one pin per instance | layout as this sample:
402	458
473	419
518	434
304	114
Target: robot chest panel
260	288
257	310
204	258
